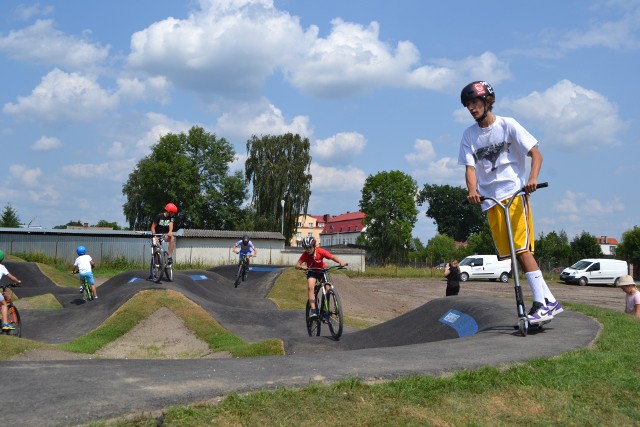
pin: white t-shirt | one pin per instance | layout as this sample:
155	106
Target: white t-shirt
3	270
498	153
83	262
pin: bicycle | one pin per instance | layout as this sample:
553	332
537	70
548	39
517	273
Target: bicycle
12	313
243	269
87	295
159	264
328	305
523	321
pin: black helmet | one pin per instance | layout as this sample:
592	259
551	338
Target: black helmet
478	89
245	239
309	242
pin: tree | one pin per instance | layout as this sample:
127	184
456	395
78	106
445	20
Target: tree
481	242
72	223
192	171
388	201
629	247
9	217
449	213
107	224
278	167
553	250
440	249
585	246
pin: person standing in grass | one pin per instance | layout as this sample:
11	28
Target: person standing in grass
632	299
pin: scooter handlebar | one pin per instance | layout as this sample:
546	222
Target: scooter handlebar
538	186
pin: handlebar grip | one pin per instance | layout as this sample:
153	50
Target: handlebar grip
542	185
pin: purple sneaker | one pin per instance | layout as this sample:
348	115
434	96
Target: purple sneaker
539	314
555	307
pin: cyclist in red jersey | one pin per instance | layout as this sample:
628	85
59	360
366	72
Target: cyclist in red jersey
312	257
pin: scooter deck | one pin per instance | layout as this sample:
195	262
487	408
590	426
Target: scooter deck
534	326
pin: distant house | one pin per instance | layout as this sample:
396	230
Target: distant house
308	225
343	229
608	245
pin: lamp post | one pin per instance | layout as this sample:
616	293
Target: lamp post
282	228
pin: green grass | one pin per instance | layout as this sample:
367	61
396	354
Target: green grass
586	387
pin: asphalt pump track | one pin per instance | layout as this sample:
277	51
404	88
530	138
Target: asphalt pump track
443	335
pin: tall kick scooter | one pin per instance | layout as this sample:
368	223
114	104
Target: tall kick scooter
523	320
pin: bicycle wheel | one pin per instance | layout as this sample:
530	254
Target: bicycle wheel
168	270
313	325
87	295
158	267
333	313
238	276
14	317
245	270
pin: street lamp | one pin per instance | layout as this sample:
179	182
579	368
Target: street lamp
282	228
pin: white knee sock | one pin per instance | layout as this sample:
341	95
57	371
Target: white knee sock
537	285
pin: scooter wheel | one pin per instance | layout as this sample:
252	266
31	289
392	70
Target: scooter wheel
523	326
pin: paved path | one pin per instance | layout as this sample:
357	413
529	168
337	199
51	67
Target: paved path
420	342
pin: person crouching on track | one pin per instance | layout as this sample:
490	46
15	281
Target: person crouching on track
313	257
6	326
84	265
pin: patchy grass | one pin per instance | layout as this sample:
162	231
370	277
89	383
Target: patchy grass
194	317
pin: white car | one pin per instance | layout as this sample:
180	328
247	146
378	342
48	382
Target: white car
485	267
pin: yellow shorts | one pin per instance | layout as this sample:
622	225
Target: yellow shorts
521	226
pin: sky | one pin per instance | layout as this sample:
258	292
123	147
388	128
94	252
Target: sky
89	87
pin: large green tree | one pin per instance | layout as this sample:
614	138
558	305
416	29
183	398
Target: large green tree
553	250
585	246
9	217
192	171
449	213
629	247
440	248
388	201
278	167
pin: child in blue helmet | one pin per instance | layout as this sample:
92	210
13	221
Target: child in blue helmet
84	265
6	326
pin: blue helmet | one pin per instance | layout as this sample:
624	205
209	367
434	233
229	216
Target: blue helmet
81	250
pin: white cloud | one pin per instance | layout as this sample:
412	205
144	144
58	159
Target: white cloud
331	179
424	152
225	47
620	35
260	118
570	116
135	89
42	43
157	126
580	205
63	96
25	12
46	143
26	176
341	147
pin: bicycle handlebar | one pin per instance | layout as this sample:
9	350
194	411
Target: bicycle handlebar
10	285
483	198
324	270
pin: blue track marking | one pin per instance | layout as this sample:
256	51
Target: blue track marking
199	277
464	324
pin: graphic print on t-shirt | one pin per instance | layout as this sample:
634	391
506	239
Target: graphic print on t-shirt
491	153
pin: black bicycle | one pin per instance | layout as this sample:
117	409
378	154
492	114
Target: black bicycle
12	313
243	269
159	260
328	305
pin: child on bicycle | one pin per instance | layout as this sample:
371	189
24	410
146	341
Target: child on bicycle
313	257
494	152
245	247
163	224
6	325
84	265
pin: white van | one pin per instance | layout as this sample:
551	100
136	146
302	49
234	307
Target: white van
485	267
596	271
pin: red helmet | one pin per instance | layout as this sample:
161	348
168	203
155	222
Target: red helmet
171	208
